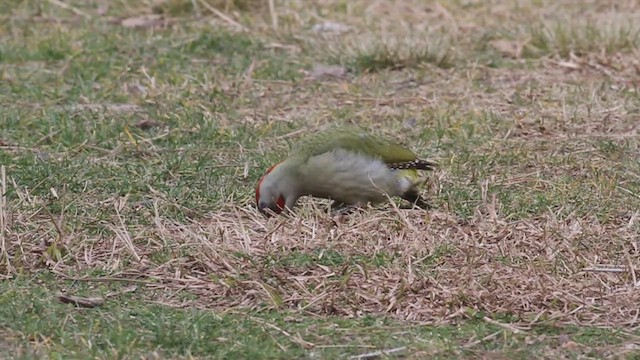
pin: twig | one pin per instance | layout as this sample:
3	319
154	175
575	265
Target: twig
502	325
614	269
88	302
375	354
101	279
124	235
274	15
398	212
537	317
315	300
273	296
476	342
394	206
91	302
343	346
280	224
243	232
70	8
126	290
291	134
628	191
222	16
3	217
632	270
296	339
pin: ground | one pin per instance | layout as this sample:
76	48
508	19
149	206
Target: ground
133	134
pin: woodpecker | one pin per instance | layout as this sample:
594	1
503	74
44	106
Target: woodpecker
348	166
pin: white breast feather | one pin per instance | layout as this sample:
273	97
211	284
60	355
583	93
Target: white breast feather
351	178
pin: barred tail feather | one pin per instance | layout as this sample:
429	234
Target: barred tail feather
417	164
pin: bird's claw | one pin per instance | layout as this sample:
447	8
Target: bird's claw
339	209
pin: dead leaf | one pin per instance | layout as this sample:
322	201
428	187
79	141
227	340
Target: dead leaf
571	345
126	290
508	48
146	124
563	338
88	302
324	72
143	21
333	27
566	342
113	108
293	49
43	155
136	89
102	9
409	123
569	65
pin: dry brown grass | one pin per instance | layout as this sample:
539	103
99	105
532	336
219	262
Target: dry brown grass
439	268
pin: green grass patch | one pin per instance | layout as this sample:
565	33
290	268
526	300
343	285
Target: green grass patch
36	324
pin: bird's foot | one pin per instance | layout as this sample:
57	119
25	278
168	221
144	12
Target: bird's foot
347	210
416	201
339	209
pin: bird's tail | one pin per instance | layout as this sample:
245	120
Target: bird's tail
417	164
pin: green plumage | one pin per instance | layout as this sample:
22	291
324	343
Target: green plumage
346	165
396	156
357	141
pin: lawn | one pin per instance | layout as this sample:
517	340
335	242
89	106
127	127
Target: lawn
132	135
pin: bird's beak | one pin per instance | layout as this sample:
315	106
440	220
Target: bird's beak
266	210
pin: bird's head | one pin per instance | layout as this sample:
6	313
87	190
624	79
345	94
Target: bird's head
271	192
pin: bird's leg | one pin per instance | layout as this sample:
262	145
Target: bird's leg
335	204
340	208
345	210
413	196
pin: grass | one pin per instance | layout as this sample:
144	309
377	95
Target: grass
131	151
126	326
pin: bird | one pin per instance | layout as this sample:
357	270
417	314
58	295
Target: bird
347	165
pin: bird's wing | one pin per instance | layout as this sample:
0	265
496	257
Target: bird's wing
396	156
